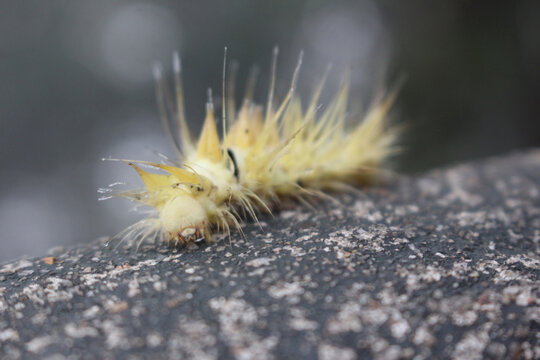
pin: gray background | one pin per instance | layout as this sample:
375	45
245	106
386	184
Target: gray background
76	86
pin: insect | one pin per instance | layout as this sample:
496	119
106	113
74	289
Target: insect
265	154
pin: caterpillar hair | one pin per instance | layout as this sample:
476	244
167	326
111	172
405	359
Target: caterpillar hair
264	154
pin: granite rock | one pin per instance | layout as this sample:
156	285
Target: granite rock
442	265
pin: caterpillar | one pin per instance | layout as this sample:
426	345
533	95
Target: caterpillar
265	154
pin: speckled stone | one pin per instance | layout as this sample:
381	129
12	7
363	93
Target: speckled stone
445	265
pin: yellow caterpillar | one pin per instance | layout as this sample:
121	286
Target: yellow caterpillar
265	154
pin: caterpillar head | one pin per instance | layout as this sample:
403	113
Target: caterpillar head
184	219
178	196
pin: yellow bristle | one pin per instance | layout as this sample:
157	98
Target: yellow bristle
209	145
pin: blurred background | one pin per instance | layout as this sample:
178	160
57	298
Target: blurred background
76	86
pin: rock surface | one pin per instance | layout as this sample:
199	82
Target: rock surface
445	265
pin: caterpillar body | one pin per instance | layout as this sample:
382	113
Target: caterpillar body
264	155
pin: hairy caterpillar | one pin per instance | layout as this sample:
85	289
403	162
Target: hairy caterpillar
264	155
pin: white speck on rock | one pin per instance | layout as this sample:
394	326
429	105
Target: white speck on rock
91	279
295	250
133	288
91	312
525	297
8	335
154	339
472	345
285	290
330	352
160	286
299	321
60	290
263	261
75	331
423	337
464	318
15	266
236	319
115	336
39	318
35	293
36	345
399	327
347	319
